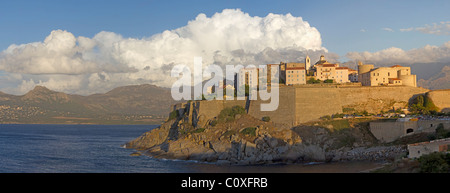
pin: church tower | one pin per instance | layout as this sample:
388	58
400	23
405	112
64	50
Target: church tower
307	63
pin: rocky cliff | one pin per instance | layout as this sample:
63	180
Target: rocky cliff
244	139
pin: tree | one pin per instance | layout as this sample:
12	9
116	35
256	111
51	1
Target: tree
436	162
328	81
423	105
313	81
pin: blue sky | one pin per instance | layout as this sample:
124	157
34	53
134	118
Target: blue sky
90	46
341	23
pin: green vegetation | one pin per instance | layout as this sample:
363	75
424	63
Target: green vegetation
266	119
198	130
437	162
228	114
229	133
335	124
213	123
249	131
423	104
347	110
441	132
313	81
173	115
328	81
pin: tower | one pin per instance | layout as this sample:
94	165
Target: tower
322	57
307	63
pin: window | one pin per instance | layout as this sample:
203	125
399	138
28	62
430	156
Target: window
389	74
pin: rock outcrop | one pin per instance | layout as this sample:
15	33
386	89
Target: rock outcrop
247	140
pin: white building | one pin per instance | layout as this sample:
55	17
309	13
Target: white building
248	76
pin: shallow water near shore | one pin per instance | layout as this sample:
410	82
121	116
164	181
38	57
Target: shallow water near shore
98	149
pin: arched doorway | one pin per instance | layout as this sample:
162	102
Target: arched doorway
410	130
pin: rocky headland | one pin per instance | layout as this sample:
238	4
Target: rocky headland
235	137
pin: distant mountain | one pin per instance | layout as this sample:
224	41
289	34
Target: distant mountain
440	80
427	70
137	104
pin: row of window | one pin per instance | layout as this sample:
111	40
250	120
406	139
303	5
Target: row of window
292	71
294	80
297	75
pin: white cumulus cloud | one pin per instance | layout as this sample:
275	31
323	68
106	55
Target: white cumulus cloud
86	65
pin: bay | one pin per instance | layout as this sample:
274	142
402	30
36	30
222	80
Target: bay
98	149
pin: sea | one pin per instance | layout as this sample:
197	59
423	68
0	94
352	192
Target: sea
41	148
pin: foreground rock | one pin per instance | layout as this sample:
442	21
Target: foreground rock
247	140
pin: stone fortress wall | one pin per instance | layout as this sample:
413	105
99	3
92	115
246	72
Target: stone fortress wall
302	104
441	98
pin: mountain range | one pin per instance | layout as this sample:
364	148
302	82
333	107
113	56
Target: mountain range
137	104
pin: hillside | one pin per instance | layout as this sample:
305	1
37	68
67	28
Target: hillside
440	80
137	104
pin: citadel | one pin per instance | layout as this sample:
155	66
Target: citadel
324	71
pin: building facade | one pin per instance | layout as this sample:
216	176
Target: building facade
248	76
394	75
295	75
418	149
323	70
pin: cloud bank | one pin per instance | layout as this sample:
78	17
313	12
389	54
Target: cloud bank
86	65
441	28
393	55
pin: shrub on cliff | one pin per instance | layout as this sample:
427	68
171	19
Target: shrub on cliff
173	115
228	114
423	105
266	119
249	131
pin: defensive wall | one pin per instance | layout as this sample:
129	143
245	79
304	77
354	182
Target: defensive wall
308	103
441	98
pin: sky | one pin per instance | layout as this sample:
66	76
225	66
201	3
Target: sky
85	47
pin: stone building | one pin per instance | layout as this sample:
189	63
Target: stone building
418	149
295	75
390	131
248	76
389	76
352	75
323	70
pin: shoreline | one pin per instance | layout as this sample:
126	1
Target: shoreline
360	166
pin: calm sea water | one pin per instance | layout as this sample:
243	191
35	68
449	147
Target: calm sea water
97	149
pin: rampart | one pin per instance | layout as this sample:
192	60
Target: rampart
302	104
441	98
